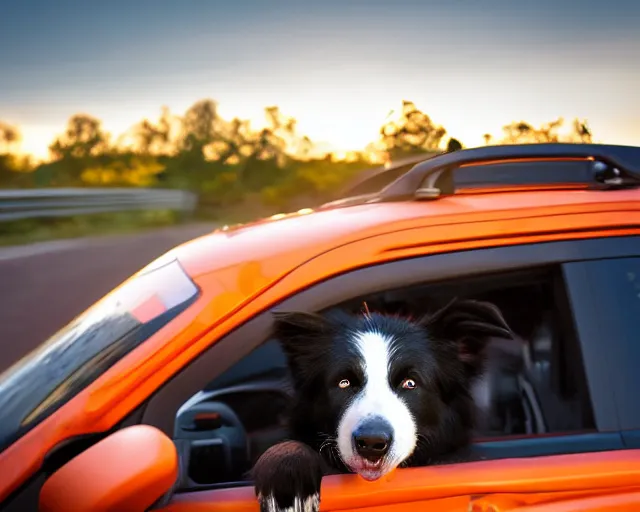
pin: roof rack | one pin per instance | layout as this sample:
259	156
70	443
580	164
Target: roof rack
372	181
369	183
607	167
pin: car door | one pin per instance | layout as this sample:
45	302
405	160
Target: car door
598	368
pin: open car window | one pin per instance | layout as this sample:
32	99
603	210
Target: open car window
76	355
533	386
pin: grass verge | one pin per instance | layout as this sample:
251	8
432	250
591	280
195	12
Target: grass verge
40	230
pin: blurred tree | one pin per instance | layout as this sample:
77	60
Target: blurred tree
414	132
15	171
521	132
139	171
14	168
233	144
200	126
266	151
155	138
582	132
275	139
453	145
260	155
83	138
9	137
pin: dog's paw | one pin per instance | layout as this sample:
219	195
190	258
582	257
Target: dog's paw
287	478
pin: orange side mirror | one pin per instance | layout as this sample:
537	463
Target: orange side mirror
129	470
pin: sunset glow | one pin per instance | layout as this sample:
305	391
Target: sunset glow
472	67
345	128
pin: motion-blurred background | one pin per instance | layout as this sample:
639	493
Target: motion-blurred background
127	127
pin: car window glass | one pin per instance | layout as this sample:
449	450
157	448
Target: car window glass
613	316
73	357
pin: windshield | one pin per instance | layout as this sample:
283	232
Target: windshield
76	355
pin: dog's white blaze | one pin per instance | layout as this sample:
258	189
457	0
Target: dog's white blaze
377	399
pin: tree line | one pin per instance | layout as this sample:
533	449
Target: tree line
228	162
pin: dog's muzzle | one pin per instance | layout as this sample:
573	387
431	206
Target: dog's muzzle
372	438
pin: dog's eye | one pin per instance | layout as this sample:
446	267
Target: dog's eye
408	384
344	383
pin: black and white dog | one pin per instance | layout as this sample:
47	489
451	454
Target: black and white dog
374	392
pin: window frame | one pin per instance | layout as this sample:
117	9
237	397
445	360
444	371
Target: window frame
161	409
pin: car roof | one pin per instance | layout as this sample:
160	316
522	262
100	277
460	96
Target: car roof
298	236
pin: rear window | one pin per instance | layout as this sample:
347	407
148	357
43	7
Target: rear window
79	353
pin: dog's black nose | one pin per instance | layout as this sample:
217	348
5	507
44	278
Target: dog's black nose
372	439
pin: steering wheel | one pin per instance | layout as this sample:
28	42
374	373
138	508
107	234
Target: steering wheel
213	444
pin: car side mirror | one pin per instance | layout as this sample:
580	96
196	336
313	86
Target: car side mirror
128	470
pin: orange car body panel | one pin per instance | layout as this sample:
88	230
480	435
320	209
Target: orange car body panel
618	500
129	470
243	271
511	484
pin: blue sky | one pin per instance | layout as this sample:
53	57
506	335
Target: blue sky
338	66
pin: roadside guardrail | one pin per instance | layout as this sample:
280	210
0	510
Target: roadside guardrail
66	202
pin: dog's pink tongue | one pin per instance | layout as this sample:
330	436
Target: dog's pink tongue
370	475
373	474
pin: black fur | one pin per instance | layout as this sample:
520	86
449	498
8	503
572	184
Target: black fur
441	353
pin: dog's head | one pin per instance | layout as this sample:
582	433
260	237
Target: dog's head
383	387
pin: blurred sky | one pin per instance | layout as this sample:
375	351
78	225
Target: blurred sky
339	66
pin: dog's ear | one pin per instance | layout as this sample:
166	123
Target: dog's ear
470	324
303	337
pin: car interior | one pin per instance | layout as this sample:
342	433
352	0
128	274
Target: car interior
532	385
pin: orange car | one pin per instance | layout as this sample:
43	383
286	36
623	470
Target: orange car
163	394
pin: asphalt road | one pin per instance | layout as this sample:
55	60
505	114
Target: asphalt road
44	286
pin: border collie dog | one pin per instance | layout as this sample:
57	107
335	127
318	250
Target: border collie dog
374	392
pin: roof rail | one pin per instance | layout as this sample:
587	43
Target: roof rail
371	181
609	166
